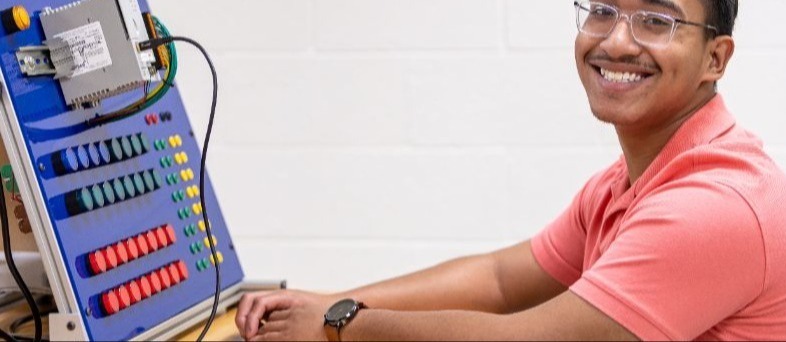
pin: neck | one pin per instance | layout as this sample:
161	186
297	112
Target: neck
642	145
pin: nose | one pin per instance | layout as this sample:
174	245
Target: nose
620	41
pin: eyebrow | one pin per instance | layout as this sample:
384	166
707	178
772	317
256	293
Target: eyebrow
667	4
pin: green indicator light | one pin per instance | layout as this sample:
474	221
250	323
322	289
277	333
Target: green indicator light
163	162
175	197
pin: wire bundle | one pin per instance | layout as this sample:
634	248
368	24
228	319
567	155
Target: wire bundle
151	97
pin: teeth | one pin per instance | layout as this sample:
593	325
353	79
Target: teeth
620	77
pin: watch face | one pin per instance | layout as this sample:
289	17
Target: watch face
341	310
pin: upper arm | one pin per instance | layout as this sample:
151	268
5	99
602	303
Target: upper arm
523	284
684	260
569	317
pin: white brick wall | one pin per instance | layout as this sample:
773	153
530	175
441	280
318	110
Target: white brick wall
389	135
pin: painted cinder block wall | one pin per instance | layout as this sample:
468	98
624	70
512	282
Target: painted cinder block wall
360	139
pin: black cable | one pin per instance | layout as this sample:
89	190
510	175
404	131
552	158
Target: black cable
4	335
9	258
153	43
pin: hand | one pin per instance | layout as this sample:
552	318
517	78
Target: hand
288	315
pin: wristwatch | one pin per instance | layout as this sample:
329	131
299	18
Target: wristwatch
339	315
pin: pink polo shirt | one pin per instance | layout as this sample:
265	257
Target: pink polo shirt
695	249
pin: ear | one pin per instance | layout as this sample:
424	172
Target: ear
720	49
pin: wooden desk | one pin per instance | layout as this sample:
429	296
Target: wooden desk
223	329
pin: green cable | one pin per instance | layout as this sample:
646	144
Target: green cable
168	79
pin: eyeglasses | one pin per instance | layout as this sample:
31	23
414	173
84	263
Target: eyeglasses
652	29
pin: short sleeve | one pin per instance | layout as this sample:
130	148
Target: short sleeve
685	258
559	247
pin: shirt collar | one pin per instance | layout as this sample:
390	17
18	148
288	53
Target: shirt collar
707	124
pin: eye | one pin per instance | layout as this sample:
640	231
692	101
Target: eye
601	11
656	21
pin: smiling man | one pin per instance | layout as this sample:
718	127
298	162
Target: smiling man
684	237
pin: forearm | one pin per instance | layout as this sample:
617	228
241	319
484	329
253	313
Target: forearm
567	317
464	284
385	325
506	281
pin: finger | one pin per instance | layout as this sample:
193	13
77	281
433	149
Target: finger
272	336
280	315
269	327
243	307
263	306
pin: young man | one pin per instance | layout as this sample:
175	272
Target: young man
683	238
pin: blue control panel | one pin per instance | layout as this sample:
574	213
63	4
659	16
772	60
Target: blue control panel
123	198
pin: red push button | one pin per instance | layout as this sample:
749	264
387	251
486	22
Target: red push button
174	274
122	254
144	287
166	281
155	282
132	249
141	242
170	234
182	269
110	303
124	297
97	262
161	237
152	242
110	257
135	292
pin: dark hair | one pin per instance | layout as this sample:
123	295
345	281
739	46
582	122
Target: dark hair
721	14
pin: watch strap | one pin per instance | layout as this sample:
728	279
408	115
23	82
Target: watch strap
333	332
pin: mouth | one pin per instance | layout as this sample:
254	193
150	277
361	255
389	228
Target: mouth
622	76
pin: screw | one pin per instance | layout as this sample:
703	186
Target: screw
70	326
30	62
41	167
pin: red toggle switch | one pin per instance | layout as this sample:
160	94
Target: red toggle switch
144	287
141	242
134	291
97	262
182	269
170	234
166	281
174	274
122	254
110	303
131	248
152	242
155	282
161	237
110	257
123	296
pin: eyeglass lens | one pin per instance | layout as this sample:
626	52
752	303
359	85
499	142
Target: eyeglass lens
598	20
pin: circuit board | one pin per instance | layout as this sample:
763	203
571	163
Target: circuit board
119	203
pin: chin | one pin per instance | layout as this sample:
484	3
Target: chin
617	117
